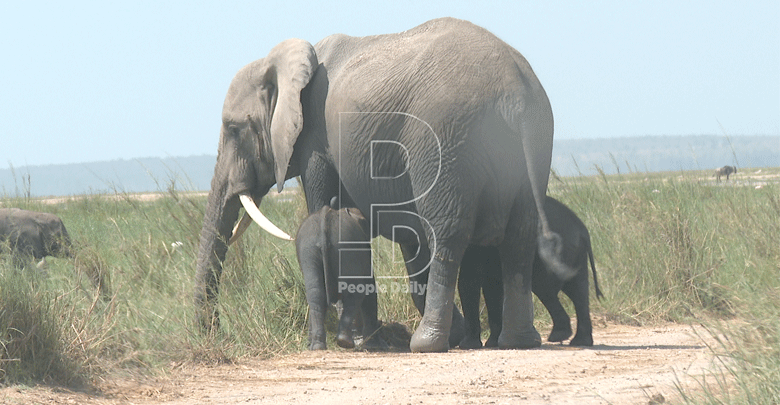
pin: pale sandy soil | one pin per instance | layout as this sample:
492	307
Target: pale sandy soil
628	365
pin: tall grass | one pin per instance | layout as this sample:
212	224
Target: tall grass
668	247
143	315
31	344
677	247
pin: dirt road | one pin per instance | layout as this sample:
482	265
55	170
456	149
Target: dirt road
628	365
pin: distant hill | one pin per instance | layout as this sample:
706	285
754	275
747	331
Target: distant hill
570	158
136	175
663	153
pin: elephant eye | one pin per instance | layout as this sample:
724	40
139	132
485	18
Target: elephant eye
268	87
232	130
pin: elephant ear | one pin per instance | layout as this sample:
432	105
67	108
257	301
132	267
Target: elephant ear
294	61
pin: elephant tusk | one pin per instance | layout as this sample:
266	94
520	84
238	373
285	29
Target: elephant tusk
240	228
265	223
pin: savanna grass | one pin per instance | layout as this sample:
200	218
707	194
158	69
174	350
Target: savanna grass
680	247
32	347
668	247
139	314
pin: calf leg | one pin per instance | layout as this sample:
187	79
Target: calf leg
577	290
371	338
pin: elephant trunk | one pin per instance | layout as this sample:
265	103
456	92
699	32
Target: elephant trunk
221	213
64	246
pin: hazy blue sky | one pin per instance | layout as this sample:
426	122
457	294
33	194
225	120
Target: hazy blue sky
85	81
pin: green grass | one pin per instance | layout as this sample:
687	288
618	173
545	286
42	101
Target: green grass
668	247
678	247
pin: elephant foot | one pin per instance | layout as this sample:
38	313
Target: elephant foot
345	341
582	340
528	340
470	342
492	341
559	334
374	344
373	341
318	346
429	340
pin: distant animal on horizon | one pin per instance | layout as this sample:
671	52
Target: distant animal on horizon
724	171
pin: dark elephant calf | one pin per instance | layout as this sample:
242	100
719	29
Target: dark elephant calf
481	267
334	253
33	235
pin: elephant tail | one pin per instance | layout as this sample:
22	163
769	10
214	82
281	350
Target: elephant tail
550	250
550	244
533	124
599	295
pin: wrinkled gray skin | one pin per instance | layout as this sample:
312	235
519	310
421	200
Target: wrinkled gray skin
481	267
334	253
442	135
33	235
724	171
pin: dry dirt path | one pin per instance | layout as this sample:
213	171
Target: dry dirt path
629	365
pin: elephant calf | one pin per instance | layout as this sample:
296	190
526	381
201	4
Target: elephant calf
335	258
724	171
33	235
480	267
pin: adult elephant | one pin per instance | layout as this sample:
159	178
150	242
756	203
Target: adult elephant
33	235
442	135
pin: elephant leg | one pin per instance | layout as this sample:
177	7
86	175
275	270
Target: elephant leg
469	283
370	325
434	331
561	329
546	287
517	253
493	291
318	303
577	290
317	334
417	258
352	302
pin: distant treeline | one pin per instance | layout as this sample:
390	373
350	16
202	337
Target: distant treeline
137	175
571	157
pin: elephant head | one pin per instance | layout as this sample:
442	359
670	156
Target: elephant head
261	120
